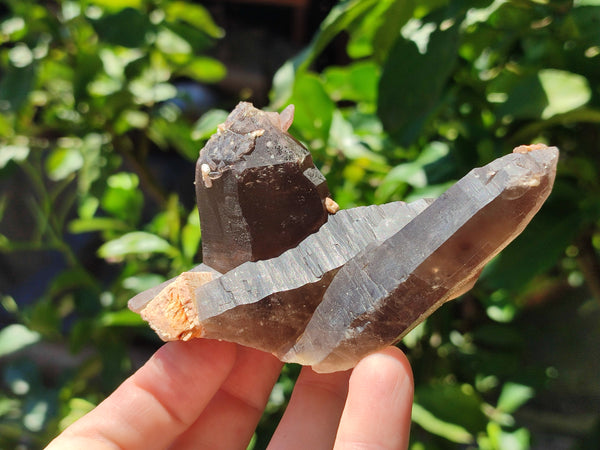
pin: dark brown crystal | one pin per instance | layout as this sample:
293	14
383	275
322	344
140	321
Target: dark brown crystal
258	190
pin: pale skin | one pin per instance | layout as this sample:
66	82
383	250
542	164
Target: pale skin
206	394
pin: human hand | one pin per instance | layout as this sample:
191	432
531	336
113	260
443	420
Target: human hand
210	394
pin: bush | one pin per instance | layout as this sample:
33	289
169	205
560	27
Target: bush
430	89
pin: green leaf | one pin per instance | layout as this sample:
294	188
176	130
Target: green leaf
97	224
450	431
21	376
177	134
206	126
171	43
357	82
141	282
343	138
455	404
194	14
38	410
544	94
146	91
136	242
339	18
16	337
190	236
565	91
203	69
517	96
117	5
122	198
283	82
513	396
15	86
377	31
63	162
127	28
94	160
314	109
534	129
412	173
413	79
77	408
394	19
552	229
432	191
123	318
362	31
15	153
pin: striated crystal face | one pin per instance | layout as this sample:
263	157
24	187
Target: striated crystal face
434	258
283	276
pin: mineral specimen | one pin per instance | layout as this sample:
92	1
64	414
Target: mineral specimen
327	290
257	188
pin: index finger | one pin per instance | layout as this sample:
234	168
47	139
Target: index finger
379	403
156	404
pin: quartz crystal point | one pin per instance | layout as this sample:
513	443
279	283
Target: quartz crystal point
382	293
257	188
336	287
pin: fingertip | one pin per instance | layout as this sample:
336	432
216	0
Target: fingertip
379	403
390	358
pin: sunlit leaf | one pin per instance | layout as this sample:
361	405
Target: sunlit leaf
340	17
15	337
450	431
190	236
343	138
136	242
412	173
194	14
378	30
203	69
314	109
77	408
63	162
122	198
12	153
513	396
565	91
143	281
171	43
38	410
97	224
206	126
122	318
357	82
13	28
148	92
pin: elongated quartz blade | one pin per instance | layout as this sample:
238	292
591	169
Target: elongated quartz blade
384	292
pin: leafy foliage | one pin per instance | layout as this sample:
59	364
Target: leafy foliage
88	89
429	89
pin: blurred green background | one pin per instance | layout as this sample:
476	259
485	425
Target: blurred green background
105	105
